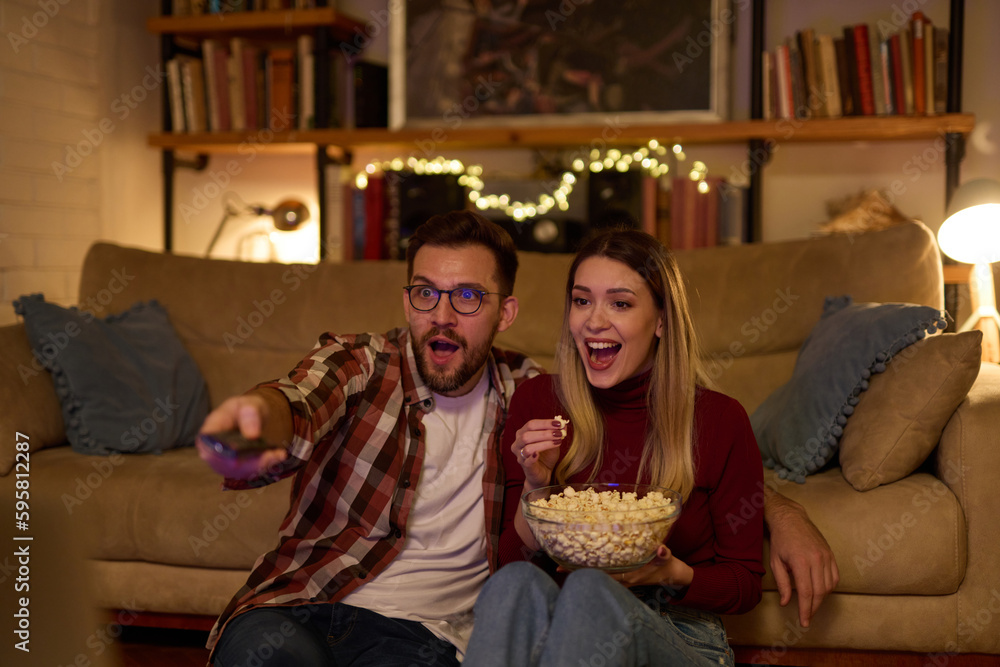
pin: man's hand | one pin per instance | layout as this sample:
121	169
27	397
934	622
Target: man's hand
798	548
248	414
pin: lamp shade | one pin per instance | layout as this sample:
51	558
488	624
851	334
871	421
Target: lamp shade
971	232
289	215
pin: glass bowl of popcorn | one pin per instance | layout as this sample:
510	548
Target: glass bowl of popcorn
611	527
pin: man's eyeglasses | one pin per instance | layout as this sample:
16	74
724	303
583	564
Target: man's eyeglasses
464	300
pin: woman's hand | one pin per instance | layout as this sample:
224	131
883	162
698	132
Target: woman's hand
536	447
663	570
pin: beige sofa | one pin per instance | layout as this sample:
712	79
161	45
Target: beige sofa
163	538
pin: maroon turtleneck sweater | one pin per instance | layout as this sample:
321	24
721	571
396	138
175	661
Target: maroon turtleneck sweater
720	529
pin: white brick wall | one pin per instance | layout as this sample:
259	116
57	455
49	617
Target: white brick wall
50	96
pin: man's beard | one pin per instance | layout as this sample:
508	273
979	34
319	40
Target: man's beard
442	382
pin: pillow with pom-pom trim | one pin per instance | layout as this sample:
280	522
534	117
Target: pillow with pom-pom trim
799	426
125	382
899	420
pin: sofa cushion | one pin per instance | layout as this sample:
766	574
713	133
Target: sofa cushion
125	382
905	538
899	420
168	508
798	426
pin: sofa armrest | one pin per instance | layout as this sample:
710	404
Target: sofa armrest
968	461
28	401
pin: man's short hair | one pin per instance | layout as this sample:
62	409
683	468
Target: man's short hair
458	229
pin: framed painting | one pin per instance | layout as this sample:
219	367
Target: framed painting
504	62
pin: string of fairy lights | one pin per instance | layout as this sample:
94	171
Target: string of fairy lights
650	158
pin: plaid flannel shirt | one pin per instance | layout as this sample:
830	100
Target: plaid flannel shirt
357	451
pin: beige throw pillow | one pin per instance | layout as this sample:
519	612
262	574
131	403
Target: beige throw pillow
899	420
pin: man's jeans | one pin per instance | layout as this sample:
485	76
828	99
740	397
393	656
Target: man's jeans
523	618
328	634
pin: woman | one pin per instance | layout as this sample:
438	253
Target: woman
630	383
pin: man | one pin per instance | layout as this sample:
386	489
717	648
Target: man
394	441
395	510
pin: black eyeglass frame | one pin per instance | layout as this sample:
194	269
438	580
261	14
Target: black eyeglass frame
482	294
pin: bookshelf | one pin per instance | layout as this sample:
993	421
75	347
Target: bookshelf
328	145
858	128
177	34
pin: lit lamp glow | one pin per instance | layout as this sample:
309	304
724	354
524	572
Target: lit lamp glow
288	215
971	234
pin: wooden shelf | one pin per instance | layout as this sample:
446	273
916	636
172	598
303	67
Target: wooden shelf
865	128
267	23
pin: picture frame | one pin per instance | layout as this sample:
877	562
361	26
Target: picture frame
558	62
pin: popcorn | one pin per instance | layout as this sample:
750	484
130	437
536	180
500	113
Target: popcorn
606	529
562	424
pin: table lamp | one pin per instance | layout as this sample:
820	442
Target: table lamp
288	215
971	234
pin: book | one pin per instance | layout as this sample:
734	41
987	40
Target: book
866	92
650	193
885	63
358	213
799	106
251	57
216	72
193	86
371	94
928	66
783	66
281	86
767	81
941	70
878	81
237	94
734	220
843	77
391	217
811	99
919	71
681	215
374	217
175	88
898	85
851	59
829	77
906	60
707	213
335	241
306	84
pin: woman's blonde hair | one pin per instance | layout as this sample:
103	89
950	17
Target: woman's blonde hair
667	455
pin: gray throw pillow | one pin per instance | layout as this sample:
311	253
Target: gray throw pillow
798	427
125	382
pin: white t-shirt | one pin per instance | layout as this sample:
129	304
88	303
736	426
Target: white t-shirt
438	575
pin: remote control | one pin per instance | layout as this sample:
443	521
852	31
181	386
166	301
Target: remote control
232	444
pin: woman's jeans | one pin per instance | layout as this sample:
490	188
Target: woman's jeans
328	634
523	618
